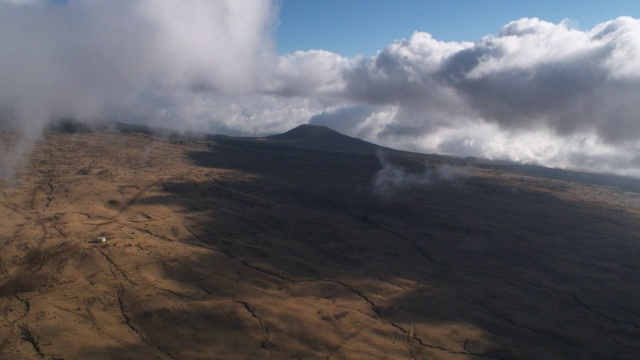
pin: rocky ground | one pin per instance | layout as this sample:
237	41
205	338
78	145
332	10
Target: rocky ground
225	248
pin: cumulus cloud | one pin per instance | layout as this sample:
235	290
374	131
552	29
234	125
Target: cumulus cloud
564	79
534	91
316	73
532	74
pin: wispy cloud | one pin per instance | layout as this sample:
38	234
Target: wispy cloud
392	179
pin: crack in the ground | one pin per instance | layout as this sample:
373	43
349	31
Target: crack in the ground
414	356
177	293
374	308
230	255
127	322
270	273
88	316
27	305
125	317
204	289
472	353
573	296
45	230
413	244
83	213
60	231
263	327
270	248
152	234
412	335
227	252
28	335
116	267
527	260
636	313
589	308
392	283
49	193
407	337
13	206
189	230
135	197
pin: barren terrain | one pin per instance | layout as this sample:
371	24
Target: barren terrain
225	248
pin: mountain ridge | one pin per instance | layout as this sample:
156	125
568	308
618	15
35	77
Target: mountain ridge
324	138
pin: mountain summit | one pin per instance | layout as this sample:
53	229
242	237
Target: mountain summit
325	138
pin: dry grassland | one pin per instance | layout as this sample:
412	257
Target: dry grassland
240	249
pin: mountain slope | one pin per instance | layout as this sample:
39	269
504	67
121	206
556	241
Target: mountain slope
237	248
325	138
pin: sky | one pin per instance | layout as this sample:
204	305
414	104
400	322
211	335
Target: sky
363	27
536	82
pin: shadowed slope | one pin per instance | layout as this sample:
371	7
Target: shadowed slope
323	137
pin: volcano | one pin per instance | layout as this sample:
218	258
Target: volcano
314	136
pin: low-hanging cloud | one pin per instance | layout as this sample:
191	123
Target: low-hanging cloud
392	179
85	58
126	60
534	91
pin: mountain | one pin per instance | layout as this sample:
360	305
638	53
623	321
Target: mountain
322	137
305	245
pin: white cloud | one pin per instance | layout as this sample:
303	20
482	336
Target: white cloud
392	179
86	58
314	73
535	91
528	93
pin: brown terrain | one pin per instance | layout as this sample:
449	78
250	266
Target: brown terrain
279	248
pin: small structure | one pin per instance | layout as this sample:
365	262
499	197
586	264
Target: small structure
99	240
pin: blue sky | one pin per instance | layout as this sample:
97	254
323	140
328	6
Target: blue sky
351	27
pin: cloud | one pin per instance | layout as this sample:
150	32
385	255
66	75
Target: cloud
128	60
392	179
87	58
532	74
343	119
535	91
540	74
315	73
530	92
